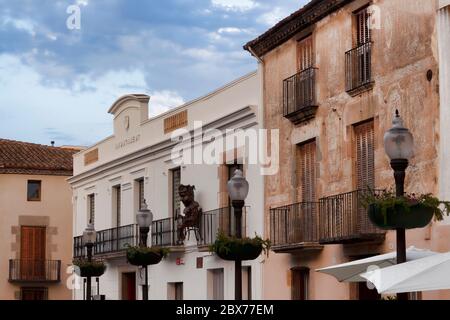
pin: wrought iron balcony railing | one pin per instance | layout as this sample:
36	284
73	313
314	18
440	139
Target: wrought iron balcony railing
343	219
164	233
358	68
299	96
34	271
220	220
110	241
294	225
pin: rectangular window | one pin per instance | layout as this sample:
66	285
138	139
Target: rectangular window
358	61
362	25
306	171
33	294
91	208
364	154
300	283
117	199
305	53
141	194
176	182
34	190
216	290
32	252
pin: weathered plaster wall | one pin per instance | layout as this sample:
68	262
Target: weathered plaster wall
402	56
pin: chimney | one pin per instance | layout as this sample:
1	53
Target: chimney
52	143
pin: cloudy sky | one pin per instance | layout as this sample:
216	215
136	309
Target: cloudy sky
57	84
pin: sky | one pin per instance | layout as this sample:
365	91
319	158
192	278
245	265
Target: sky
57	84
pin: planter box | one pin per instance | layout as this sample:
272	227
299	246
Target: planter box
144	258
397	217
240	252
90	270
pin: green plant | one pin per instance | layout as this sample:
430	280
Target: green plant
90	268
225	244
133	251
387	199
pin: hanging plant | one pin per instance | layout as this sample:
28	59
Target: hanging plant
84	268
389	212
145	256
235	249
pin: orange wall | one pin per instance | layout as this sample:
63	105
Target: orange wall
403	52
57	205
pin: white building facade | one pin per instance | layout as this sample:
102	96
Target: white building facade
113	178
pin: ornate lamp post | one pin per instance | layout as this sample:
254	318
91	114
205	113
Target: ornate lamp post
144	219
238	188
399	145
89	238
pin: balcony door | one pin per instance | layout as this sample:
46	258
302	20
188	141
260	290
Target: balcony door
32	253
365	155
306	172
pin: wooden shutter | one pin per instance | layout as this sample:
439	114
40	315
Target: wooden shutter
305	53
363	32
176	182
365	155
91	199
141	194
306	171
118	190
32	252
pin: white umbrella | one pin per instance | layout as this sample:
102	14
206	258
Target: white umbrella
427	274
351	271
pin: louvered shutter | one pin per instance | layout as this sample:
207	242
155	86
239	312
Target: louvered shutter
306	171
364	151
363	32
305	53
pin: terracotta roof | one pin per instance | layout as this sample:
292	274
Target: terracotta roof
29	158
311	13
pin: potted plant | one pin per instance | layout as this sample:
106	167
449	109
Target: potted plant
235	249
389	212
85	268
145	256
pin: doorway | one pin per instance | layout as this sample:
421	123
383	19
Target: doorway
32	253
129	286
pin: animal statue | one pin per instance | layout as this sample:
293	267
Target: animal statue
191	214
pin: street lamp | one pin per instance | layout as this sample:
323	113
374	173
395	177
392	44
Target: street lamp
144	219
399	145
89	238
238	188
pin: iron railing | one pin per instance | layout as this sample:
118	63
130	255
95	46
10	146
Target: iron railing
34	270
110	240
164	233
299	92
294	224
220	220
343	218
358	66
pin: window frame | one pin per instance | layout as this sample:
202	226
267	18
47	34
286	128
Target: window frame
39	198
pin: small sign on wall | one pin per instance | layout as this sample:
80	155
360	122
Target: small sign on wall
91	157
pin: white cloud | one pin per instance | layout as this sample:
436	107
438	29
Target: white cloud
20	24
76	115
232	30
274	16
235	5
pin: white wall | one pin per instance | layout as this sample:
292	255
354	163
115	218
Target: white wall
125	165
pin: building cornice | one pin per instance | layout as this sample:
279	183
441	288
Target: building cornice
311	13
241	118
